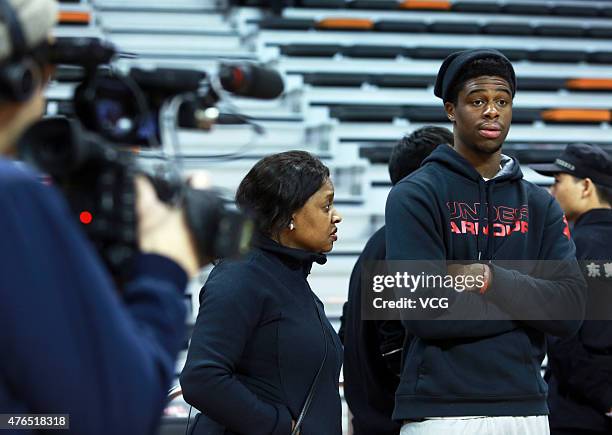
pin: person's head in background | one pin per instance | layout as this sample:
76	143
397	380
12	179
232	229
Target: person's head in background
25	29
583	179
407	156
477	88
290	197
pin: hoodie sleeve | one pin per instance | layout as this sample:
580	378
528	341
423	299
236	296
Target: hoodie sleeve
552	301
230	310
69	343
412	234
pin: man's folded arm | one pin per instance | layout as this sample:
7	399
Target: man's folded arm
413	230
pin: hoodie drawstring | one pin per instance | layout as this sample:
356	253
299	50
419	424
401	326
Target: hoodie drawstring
490	219
480	231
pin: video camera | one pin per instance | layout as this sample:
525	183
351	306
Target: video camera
92	162
125	108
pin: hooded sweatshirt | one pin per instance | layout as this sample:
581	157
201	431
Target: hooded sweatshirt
447	211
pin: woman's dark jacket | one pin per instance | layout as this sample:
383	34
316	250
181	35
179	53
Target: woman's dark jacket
257	345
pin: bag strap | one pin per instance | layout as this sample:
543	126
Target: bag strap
313	386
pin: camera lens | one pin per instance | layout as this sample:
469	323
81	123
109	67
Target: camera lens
107	106
112	118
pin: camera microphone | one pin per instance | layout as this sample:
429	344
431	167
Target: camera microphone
250	80
82	51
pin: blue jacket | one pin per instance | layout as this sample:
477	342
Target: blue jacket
70	343
257	345
580	367
482	367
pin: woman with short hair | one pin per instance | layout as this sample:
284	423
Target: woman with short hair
262	343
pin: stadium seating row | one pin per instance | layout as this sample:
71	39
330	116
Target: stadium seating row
537	7
335	23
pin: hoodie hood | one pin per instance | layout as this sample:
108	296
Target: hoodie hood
474	202
451	159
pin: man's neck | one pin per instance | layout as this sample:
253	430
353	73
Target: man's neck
487	165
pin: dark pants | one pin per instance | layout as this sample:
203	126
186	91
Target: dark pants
576	432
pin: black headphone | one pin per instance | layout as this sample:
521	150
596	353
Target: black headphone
18	74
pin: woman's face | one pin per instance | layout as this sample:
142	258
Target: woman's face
314	225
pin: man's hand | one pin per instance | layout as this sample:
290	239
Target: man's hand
478	271
163	229
609	413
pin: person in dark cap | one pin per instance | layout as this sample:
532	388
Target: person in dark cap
372	348
583	180
480	374
579	369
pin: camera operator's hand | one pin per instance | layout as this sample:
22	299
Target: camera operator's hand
163	229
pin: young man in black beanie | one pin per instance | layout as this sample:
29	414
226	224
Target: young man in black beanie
480	374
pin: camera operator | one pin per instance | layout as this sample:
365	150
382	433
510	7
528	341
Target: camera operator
70	343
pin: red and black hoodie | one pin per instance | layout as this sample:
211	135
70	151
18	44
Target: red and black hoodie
482	367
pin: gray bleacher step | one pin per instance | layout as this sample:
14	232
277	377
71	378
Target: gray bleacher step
198	62
82	32
178	45
434	16
422	97
501	42
165	22
293	65
160	5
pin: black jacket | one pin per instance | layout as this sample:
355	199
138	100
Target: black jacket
69	343
580	367
370	380
257	345
446	211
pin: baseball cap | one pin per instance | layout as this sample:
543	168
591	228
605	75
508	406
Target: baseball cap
581	160
455	62
37	18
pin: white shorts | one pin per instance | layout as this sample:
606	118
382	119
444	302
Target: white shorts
532	425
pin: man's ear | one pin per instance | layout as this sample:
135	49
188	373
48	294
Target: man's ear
588	188
450	111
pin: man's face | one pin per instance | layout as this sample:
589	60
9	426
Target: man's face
567	190
483	114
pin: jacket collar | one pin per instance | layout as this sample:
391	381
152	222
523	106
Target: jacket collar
292	257
595	216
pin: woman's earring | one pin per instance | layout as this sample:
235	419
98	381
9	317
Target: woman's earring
291	226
